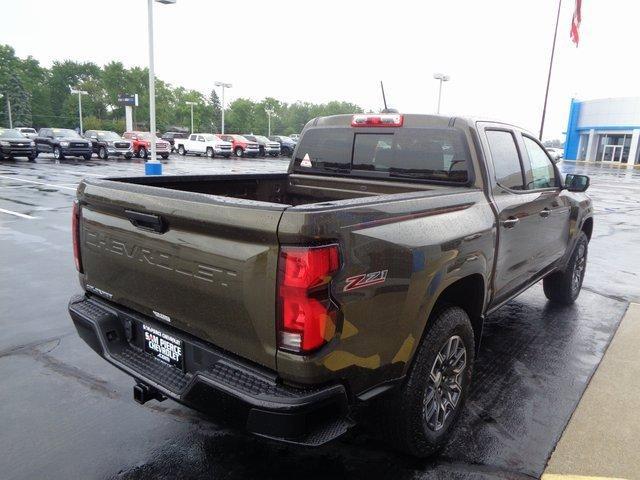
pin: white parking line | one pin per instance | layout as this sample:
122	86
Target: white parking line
83	173
37	183
21	215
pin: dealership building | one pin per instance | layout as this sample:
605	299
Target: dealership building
604	130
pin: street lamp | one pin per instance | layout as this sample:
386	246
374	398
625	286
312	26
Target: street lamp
443	78
8	109
192	104
80	93
152	77
223	85
269	112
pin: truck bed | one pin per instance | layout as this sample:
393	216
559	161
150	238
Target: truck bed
282	189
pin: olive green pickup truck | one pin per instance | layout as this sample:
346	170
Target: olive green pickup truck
353	286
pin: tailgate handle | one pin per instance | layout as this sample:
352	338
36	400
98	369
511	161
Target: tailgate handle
147	221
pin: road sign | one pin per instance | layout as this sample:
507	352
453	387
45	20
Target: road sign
127	99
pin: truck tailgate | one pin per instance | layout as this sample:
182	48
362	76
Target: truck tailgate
210	271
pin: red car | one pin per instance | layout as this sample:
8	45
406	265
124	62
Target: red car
141	144
241	146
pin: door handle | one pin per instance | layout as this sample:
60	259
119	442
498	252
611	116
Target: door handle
147	221
545	212
510	222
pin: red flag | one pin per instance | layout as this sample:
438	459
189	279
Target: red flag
575	23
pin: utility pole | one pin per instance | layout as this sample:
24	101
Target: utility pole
553	50
80	93
269	112
443	78
223	85
8	109
191	104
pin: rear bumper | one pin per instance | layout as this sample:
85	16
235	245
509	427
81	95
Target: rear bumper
213	382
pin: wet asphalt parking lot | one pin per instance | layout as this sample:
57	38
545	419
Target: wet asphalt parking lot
66	413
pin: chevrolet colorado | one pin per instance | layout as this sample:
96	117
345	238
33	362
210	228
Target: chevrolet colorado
361	278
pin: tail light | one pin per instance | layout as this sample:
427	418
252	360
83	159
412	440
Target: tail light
380	120
75	233
307	316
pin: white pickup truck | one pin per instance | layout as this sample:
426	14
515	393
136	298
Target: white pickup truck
203	144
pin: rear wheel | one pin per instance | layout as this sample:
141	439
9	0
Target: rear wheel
102	153
418	416
239	152
564	287
181	150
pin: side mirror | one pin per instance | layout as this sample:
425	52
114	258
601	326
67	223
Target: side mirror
576	183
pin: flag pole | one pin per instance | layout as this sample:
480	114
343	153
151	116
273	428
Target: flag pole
553	51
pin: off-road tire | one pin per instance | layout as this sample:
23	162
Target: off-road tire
564	286
400	417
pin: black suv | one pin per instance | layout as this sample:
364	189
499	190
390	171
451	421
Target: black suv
287	145
15	144
171	138
63	142
106	143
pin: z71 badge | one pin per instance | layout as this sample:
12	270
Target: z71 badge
365	280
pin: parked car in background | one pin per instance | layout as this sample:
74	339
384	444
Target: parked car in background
13	144
295	137
287	145
28	132
63	142
555	153
242	147
204	144
266	146
171	138
141	144
106	143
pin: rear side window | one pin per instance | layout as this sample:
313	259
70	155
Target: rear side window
439	154
541	173
506	160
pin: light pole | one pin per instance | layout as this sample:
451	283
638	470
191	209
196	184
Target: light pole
152	78
8	109
223	85
80	93
192	104
269	112
443	78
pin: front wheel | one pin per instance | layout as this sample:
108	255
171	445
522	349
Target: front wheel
564	287
210	153
181	150
164	156
87	157
418	416
239	152
57	153
102	153
143	153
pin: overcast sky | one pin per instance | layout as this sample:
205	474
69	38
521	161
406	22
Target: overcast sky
496	51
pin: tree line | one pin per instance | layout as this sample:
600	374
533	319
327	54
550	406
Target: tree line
40	97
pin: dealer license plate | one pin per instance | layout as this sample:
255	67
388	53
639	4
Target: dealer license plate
163	346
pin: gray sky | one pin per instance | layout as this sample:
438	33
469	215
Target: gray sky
496	51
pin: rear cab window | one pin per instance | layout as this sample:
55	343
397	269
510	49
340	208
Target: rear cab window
433	154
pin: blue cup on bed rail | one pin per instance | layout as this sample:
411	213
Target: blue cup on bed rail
153	167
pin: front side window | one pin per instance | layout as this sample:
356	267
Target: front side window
506	160
541	173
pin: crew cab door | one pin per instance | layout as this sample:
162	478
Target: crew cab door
200	145
543	178
517	209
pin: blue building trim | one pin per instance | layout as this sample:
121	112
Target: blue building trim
572	139
611	127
